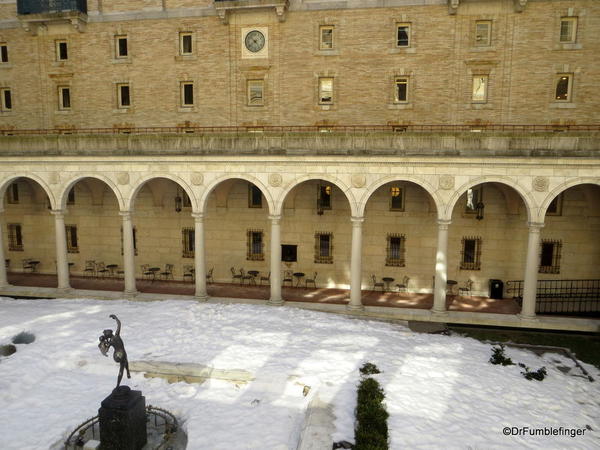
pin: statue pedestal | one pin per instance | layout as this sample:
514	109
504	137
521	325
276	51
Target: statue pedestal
122	419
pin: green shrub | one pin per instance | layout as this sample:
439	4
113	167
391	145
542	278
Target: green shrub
369	369
498	357
538	375
371	431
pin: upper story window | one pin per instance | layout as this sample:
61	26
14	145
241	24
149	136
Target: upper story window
6	99
326	37
71	197
12	194
121	47
3	53
254	197
568	29
187	94
483	33
480	88
324	197
403	35
396	198
563	87
62	52
255	92
123	95
401	89
326	90
474	197
555	206
186	43
64	97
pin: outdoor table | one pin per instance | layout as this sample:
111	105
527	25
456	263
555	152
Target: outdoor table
450	285
298	276
154	270
34	265
254	274
387	281
112	268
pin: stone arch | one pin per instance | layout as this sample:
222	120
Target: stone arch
39	180
130	202
530	204
362	204
63	195
251	179
325	177
562	188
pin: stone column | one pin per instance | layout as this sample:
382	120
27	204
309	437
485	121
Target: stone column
441	269
356	265
62	263
531	271
3	279
275	261
128	253
199	257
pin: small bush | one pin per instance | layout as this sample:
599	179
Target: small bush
23	338
371	431
498	357
369	369
538	375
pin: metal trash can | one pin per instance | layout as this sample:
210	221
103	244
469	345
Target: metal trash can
496	288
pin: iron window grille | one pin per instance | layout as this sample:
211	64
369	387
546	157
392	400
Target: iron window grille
15	237
396	247
188	236
324	248
471	253
550	251
72	245
255	244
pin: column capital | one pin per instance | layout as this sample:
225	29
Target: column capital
198	216
535	226
274	217
443	223
126	214
357	220
58	212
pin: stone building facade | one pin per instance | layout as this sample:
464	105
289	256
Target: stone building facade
237	109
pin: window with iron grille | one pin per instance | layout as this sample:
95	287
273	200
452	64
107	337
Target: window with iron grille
324	248
15	237
72	246
254	196
188	241
471	253
255	245
12	194
395	250
135	250
550	256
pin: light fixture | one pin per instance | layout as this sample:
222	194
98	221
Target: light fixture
479	208
178	201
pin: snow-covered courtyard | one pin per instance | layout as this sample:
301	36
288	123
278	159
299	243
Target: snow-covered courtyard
441	391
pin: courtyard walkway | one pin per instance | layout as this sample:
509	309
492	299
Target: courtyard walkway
290	294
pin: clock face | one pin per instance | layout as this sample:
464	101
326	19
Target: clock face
254	41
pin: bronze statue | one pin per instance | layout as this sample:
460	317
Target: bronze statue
107	340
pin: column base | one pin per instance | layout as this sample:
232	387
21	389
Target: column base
439	312
201	298
130	293
527	318
275	302
64	290
355	308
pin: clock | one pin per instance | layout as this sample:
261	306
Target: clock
254	41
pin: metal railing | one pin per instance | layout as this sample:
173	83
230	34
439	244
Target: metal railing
50	6
307	129
573	297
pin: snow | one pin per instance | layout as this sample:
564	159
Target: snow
440	390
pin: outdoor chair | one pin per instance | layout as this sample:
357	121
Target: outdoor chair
168	272
466	289
287	277
235	276
188	272
267	278
402	287
376	283
146	273
312	280
90	268
244	276
27	265
101	270
209	275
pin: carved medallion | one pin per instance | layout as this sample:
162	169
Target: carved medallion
123	178
359	180
540	184
54	178
446	182
197	178
275	179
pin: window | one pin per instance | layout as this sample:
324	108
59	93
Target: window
6	98
324	248
325	91
15	238
555	206
568	29
188	241
471	253
289	253
71	197
12	194
255	245
480	85
123	96
64	97
474	196
550	256
563	88
483	33
187	94
403	35
255	90
185	43
121	50
323	197
72	246
135	250
62	53
3	53
396	198
326	37
395	250
401	90
254	197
